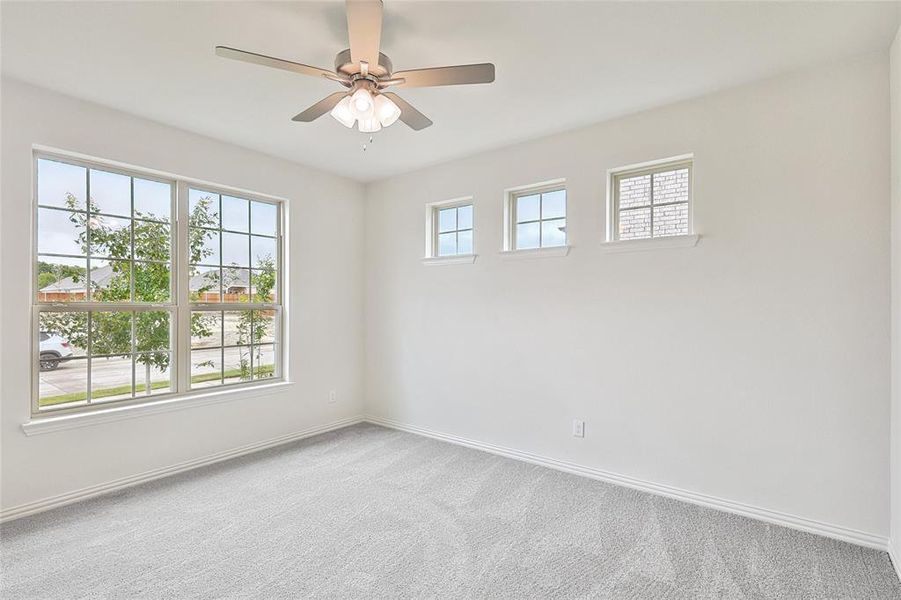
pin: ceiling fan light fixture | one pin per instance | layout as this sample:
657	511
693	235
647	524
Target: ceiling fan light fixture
370	125
361	104
386	111
343	112
364	72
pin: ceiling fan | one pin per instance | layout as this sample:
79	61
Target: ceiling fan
366	73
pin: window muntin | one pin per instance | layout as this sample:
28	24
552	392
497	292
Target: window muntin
115	248
107	312
88	357
652	202
453	235
234	275
538	218
233	346
450	228
234	248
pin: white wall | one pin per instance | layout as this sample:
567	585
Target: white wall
767	380
895	57
325	321
753	367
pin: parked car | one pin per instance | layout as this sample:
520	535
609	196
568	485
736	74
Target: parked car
54	350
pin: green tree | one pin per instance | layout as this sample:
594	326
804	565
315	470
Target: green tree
201	217
45	279
71	325
111	332
49	273
255	325
148	238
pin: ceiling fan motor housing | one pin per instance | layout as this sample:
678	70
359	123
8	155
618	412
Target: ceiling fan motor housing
344	66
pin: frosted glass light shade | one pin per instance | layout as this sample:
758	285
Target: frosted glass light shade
370	112
386	111
369	125
361	104
343	113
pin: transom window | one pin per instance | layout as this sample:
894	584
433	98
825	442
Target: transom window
109	312
454	230
538	218
652	202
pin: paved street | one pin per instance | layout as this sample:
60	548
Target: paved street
71	376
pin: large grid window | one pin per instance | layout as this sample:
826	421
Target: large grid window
108	312
538	218
652	202
454	230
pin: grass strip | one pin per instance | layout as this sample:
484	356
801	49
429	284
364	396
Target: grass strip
266	371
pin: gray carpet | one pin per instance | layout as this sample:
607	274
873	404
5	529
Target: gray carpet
368	512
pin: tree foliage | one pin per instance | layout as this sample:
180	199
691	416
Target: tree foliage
255	325
147	241
46	278
49	273
111	332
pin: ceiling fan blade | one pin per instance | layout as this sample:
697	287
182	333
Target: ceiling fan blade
457	75
269	61
320	108
364	29
409	115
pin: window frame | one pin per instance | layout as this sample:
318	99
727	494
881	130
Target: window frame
179	306
510	221
615	176
432	226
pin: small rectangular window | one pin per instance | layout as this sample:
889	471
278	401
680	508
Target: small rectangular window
450	228
537	218
652	202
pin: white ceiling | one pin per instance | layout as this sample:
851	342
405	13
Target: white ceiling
559	64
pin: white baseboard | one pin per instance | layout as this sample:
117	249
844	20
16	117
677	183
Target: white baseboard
895	558
838	532
770	516
31	508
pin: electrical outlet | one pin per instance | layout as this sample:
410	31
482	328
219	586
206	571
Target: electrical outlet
578	428
332	397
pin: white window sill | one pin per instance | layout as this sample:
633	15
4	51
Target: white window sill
536	252
458	259
50	423
641	245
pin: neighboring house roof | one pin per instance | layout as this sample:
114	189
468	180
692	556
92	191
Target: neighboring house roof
233	278
100	275
206	279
